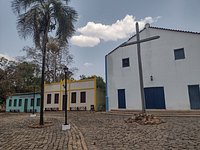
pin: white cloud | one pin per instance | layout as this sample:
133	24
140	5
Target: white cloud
88	64
85	41
7	57
93	33
150	20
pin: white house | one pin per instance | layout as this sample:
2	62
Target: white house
81	95
171	72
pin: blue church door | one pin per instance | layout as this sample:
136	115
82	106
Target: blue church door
194	95
121	98
154	98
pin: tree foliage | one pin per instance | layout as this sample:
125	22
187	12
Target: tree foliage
26	77
17	77
6	77
37	18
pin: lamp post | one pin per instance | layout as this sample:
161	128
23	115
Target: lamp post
66	126
34	100
33	112
66	71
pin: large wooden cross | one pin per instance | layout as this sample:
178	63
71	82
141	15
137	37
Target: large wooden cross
138	41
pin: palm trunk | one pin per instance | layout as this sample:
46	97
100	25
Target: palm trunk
43	78
44	44
42	86
42	91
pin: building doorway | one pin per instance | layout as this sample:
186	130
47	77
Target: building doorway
121	98
155	98
194	96
26	105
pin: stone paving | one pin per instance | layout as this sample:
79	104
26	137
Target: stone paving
16	135
97	131
107	132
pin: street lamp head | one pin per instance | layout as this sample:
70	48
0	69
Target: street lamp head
66	69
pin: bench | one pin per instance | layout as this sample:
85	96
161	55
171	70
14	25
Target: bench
78	108
52	109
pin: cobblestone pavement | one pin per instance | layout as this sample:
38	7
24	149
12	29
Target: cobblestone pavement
97	131
15	134
109	132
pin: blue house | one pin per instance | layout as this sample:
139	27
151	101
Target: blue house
23	102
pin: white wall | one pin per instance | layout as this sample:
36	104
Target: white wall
82	85
53	88
52	105
158	61
89	99
123	78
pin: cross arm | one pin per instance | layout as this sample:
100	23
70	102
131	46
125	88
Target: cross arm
141	41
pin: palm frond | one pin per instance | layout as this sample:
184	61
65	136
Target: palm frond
28	24
23	5
65	17
37	17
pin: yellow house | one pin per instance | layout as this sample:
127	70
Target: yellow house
81	95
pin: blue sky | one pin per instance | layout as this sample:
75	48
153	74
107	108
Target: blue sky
103	25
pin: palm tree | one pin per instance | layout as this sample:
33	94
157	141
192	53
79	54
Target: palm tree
39	18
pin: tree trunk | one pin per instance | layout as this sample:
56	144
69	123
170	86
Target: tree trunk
43	76
42	82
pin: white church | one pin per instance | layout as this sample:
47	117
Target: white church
171	72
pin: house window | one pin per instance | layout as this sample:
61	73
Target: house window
10	102
48	98
179	53
15	102
20	102
38	101
32	101
83	97
125	62
56	98
73	97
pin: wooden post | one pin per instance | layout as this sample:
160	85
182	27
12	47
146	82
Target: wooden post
138	41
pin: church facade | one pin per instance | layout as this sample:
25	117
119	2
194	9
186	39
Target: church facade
171	72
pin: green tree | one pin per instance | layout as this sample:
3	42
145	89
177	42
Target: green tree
101	84
17	77
26	77
7	69
38	18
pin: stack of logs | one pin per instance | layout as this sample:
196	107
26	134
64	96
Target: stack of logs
144	119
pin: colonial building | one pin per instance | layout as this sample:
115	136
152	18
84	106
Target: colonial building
23	102
171	72
81	95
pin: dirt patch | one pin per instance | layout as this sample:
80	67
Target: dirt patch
37	125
